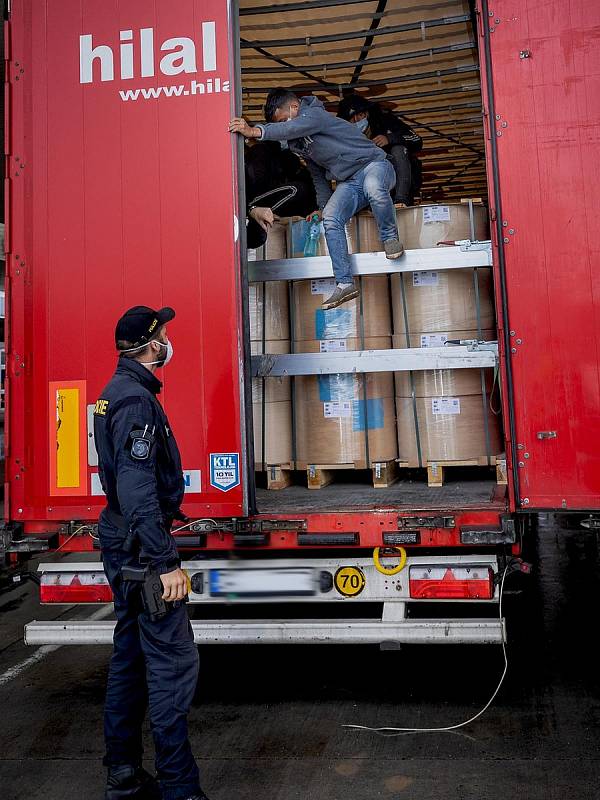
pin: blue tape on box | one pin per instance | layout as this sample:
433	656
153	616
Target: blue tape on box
336	387
375	414
334	323
324	389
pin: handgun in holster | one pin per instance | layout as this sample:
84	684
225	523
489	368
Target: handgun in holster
152	590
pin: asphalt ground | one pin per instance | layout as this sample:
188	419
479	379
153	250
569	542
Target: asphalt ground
267	721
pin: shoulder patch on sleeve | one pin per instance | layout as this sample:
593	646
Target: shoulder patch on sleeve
101	407
141	443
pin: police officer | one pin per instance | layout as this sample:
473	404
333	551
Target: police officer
154	663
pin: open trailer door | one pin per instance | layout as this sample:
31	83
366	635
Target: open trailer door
122	191
543	100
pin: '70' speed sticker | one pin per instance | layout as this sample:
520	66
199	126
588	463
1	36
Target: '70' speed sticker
349	581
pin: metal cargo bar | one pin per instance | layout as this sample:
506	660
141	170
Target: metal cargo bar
317	631
463	255
359	361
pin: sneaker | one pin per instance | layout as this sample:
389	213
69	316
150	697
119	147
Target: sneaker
126	782
341	294
393	248
150	790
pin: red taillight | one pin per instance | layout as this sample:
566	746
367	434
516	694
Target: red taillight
451	583
74	587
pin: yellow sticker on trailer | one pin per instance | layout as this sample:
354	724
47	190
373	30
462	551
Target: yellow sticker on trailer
349	581
67	440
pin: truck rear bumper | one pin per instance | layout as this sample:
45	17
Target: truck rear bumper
422	631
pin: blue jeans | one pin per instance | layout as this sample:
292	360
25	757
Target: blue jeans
155	664
371	185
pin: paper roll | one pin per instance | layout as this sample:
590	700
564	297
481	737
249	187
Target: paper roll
324	388
312	322
329	434
455	436
276	245
441	382
277	388
331	417
269	304
426	226
442	301
278	434
277	443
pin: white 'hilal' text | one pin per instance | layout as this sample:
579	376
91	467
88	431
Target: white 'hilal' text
180	55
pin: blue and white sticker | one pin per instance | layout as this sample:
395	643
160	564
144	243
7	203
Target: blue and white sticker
192	481
225	471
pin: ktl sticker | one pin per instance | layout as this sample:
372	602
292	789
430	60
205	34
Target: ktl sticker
224	471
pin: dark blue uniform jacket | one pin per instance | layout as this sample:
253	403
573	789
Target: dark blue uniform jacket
139	465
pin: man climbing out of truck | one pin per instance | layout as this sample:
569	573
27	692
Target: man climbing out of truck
155	660
394	136
333	150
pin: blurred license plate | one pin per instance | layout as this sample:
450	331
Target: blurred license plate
263	582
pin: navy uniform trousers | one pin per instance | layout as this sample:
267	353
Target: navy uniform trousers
154	665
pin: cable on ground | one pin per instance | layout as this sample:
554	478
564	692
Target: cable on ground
447	728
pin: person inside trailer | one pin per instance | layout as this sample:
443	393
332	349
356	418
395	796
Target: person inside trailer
334	150
276	180
395	138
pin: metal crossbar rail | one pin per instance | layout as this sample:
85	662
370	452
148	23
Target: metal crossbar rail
464	255
344	631
360	361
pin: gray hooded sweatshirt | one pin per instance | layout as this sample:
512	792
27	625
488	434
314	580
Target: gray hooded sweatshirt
332	148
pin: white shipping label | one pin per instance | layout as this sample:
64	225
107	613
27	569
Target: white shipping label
435	214
96	487
192	480
433	339
332	346
337	409
445	405
322	286
92	453
426	278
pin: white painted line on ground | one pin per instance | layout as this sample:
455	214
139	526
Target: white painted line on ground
41	653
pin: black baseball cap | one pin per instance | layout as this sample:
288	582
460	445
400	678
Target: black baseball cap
351	105
139	324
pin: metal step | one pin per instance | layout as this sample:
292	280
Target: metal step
464	255
360	631
359	361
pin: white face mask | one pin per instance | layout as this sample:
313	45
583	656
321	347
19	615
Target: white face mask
166	344
169	354
362	124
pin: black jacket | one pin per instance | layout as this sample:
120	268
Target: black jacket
271	169
268	167
387	124
139	463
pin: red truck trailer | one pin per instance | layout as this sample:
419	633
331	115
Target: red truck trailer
123	187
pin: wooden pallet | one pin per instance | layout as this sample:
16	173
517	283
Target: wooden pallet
436	469
383	473
279	476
